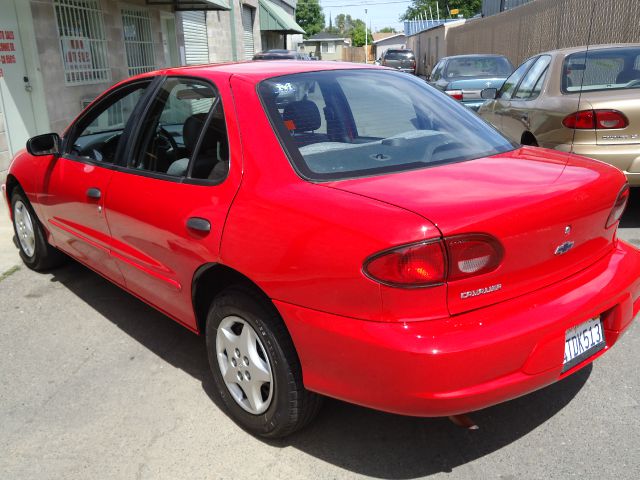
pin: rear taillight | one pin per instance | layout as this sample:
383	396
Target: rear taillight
435	261
417	265
596	120
618	206
456	94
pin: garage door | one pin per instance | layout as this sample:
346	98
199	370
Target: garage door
196	45
247	31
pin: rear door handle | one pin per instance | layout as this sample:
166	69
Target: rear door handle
199	224
94	193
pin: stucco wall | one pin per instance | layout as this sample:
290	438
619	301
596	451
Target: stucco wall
219	32
4	149
64	102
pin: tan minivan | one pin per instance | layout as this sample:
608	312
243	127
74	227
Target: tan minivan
586	101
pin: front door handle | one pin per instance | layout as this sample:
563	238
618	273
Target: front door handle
94	193
199	224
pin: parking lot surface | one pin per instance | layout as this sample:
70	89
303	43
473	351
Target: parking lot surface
96	384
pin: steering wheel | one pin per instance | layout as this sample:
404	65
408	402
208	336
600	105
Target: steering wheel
108	148
441	141
165	134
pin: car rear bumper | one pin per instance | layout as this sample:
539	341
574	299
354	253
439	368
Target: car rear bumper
473	104
468	361
625	157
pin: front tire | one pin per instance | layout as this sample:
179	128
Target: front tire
255	365
35	251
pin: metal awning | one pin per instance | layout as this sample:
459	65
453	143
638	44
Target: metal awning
273	18
190	5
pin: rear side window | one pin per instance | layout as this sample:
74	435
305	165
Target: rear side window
353	123
609	69
183	133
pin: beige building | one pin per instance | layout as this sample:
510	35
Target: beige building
326	46
430	45
56	56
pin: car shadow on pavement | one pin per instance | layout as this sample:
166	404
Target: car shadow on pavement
631	217
353	438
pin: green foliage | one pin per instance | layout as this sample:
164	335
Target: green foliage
388	30
468	8
347	26
310	17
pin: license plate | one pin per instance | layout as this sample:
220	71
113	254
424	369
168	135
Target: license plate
582	341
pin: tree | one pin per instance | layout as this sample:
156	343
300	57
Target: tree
387	30
310	17
468	8
358	33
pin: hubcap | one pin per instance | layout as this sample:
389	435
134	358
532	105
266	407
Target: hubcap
24	228
244	365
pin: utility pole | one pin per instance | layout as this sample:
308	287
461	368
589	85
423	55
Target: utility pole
366	38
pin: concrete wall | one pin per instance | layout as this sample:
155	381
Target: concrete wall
64	102
4	148
430	46
547	25
219	32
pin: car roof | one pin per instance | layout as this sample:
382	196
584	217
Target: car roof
257	71
582	48
475	55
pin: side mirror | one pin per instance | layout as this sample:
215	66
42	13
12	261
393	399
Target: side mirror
47	144
489	93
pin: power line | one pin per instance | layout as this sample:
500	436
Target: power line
364	4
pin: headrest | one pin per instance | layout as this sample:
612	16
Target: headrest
302	116
193	126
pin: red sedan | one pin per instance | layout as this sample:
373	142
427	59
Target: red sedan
337	230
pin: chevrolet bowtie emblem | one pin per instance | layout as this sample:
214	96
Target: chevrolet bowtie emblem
564	248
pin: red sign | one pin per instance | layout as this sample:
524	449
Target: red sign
7	46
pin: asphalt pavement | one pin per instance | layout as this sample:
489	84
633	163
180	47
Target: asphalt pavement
94	384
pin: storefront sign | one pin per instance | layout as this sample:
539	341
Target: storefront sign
76	53
7	48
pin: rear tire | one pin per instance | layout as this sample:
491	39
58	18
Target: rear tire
255	365
35	251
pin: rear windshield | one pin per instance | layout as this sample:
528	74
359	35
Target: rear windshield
611	69
353	123
398	55
478	67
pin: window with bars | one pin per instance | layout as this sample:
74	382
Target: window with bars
83	42
138	42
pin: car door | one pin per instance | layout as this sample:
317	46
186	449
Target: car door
76	182
168	202
495	110
517	119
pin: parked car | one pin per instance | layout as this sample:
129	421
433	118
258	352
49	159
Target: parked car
463	77
403	60
335	229
575	100
277	54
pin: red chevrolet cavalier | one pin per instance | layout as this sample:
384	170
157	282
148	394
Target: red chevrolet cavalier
338	230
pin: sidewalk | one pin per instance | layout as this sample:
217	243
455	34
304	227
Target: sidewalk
8	252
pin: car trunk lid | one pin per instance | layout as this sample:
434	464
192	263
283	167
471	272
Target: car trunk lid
547	209
472	88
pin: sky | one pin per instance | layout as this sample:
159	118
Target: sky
381	13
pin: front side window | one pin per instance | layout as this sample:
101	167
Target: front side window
83	42
532	82
183	133
606	69
97	134
353	123
511	83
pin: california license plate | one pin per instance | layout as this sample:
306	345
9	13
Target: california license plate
582	341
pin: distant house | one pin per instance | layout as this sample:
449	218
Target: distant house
384	41
326	46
